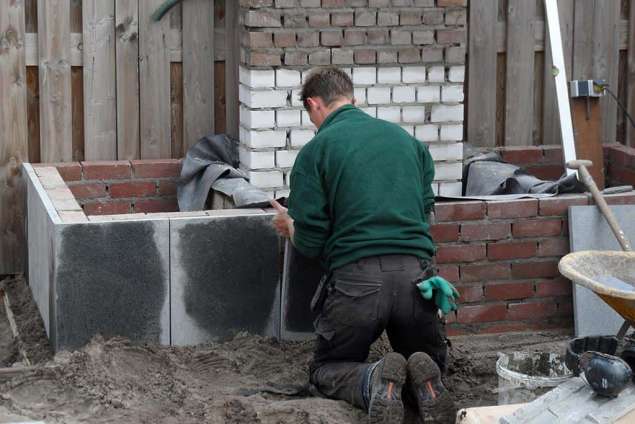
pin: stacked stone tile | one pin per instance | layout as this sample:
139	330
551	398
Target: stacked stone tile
406	59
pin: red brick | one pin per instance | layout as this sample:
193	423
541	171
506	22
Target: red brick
522	155
107	207
459	211
156	205
622	176
535	269
256	40
451	36
445	3
69	171
510	290
620	199
444	232
515	209
284	39
456	332
460	253
559	206
470	293
449	272
508	327
546	172
553	247
105	170
88	191
160	168
554	287
133	189
409	55
481	313
485	231
264	59
365	56
619	156
537	228
511	250
167	188
295	58
333	3
485	272
530	311
565	308
553	154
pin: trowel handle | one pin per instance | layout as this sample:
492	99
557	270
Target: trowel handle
587	180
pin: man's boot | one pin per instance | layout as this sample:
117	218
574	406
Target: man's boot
434	402
384	390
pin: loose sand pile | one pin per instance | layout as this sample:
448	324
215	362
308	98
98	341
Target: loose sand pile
249	379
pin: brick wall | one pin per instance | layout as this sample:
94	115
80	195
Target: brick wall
406	59
621	164
503	257
119	187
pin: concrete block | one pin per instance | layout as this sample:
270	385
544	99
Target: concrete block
452	151
427	132
263	139
257	78
286	158
256	160
257	119
288	78
372	111
456	74
389	113
414	74
378	95
113	279
262	98
288	118
225	277
301	137
445	113
390	75
452	132
404	94
266	179
296	100
452	94
450	188
360	95
410	129
300	279
414	114
429	94
588	230
436	74
444	171
365	76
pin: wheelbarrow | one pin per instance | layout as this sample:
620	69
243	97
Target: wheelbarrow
608	274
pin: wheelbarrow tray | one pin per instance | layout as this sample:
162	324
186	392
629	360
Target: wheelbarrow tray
609	274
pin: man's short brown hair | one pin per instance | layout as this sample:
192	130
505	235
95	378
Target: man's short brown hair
329	83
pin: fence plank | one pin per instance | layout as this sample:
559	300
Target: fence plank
100	109
154	83
550	116
14	145
198	70
482	73
630	78
176	109
232	59
519	114
55	80
127	65
606	61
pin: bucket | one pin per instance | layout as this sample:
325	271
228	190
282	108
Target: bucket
524	376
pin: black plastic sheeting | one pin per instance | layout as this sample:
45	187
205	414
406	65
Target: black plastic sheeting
212	164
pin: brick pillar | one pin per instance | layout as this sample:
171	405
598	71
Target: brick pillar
406	59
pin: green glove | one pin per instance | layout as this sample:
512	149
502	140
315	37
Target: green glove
444	293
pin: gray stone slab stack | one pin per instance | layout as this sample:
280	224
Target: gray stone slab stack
588	230
225	273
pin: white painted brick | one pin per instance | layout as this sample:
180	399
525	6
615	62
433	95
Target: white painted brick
256	160
301	137
404	94
435	188
389	75
287	178
427	133
263	139
378	95
282	193
372	111
306	120
445	113
288	118
295	97
452	132
451	188
429	94
360	95
262	98
452	93
257	78
414	114
288	78
436	74
266	179
414	74
456	74
257	118
365	76
286	158
445	151
444	171
348	71
389	113
410	129
305	75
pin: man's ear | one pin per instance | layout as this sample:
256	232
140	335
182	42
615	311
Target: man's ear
311	103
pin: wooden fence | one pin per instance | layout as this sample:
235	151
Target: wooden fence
510	95
99	80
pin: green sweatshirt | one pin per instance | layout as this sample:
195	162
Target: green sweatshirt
361	187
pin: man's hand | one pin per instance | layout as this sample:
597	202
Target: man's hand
282	221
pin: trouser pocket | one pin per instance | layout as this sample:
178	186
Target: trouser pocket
353	300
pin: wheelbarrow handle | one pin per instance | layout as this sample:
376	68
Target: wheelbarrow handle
587	180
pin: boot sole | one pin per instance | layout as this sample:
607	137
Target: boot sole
386	410
421	370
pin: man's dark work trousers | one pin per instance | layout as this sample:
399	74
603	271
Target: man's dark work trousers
365	298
